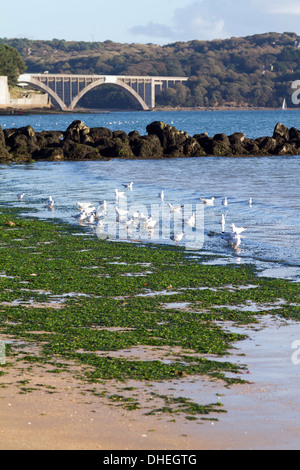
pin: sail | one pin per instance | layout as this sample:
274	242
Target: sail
284	106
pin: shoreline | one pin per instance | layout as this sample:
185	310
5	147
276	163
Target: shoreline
33	111
44	409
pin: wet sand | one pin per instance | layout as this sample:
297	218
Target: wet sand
264	414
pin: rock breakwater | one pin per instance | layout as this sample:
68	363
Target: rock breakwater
80	142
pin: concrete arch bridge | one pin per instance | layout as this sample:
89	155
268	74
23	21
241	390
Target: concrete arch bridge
66	90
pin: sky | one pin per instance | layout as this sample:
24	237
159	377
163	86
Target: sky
146	21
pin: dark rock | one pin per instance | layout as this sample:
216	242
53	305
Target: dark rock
170	138
286	149
133	135
96	134
205	142
267	145
115	148
75	151
2	138
21	142
47	138
251	147
223	138
148	146
294	134
121	135
281	133
237	138
77	131
51	154
190	147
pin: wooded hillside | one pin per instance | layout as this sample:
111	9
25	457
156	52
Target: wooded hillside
251	71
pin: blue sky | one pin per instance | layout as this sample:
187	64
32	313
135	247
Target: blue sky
146	21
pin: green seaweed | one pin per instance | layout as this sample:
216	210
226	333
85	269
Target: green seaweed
69	293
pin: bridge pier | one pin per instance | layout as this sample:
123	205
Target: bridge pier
67	90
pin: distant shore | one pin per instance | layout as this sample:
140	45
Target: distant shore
31	111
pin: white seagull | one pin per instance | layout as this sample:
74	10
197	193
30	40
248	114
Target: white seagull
250	201
81	216
21	196
178	237
233	239
49	202
225	202
121	212
209	202
237	230
141	217
192	221
128	186
119	194
150	222
90	218
102	206
174	208
83	205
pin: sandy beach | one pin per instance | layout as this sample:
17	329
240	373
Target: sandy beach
263	414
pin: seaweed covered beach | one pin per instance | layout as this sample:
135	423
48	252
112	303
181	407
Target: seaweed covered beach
111	313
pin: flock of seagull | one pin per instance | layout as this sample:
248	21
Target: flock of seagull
89	214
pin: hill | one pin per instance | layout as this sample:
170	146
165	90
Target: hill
251	71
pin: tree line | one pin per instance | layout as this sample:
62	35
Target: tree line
252	71
11	64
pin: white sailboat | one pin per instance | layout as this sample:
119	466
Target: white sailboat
284	106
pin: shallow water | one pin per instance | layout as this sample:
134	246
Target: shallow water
272	237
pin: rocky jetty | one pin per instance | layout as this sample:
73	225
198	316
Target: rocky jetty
80	142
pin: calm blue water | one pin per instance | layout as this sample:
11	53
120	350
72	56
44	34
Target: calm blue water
253	123
272	238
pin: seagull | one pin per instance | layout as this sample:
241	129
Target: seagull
178	238
90	210
141	216
174	208
102	206
128	186
233	239
192	220
223	223
237	230
135	215
125	221
150	222
209	202
49	200
161	195
119	194
51	205
21	196
83	205
225	202
81	216
91	218
250	201
121	212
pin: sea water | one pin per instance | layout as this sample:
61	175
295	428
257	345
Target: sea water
271	240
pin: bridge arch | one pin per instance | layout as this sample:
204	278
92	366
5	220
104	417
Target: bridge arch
129	91
30	80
